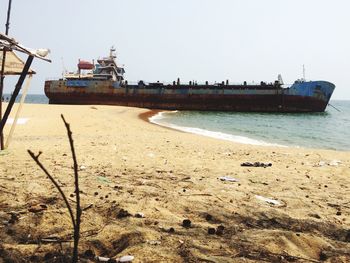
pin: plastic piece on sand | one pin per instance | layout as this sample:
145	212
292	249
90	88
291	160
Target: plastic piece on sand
320	164
335	163
228	179
139	215
268	200
102	259
127	258
103	179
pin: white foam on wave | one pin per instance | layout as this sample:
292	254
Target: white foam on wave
156	119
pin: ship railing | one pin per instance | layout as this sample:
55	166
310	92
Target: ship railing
193	83
201	83
53	78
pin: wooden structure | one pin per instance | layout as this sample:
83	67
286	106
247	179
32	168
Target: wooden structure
11	64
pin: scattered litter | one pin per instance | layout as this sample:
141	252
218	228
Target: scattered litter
320	164
335	163
315	216
220	230
257	182
211	231
228	179
103	179
186	223
208	217
123	213
139	215
269	201
14	218
102	259
37	208
82	167
331	163
127	258
154	242
256	164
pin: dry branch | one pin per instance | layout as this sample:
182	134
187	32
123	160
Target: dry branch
77	192
36	159
75	221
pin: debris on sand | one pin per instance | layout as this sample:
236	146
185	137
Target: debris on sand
256	164
228	179
139	215
269	200
211	231
127	258
123	213
186	223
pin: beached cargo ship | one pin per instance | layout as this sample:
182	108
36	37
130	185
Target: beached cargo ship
104	83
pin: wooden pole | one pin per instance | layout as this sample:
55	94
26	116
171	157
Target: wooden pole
2	72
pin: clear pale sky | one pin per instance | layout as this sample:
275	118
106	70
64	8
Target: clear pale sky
212	40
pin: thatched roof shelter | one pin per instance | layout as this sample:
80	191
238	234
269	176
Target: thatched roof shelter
13	64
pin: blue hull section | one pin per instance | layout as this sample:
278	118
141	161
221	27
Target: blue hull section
321	90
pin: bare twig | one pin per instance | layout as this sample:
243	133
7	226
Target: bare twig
36	159
75	221
77	192
87	207
198	194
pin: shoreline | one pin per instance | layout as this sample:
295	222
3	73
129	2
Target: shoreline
148	114
221	136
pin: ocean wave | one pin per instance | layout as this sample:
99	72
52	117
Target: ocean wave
159	120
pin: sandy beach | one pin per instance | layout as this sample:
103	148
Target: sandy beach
140	181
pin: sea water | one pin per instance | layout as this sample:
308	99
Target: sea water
326	130
30	98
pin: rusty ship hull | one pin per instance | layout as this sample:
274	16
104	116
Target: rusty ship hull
104	83
302	96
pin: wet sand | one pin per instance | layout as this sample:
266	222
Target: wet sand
129	166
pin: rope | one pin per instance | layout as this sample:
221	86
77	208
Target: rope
333	107
24	94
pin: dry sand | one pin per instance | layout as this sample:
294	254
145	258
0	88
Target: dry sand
130	166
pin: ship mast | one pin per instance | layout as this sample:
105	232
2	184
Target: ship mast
112	53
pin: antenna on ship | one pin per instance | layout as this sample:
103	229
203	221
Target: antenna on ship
64	71
280	80
112	52
304	73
